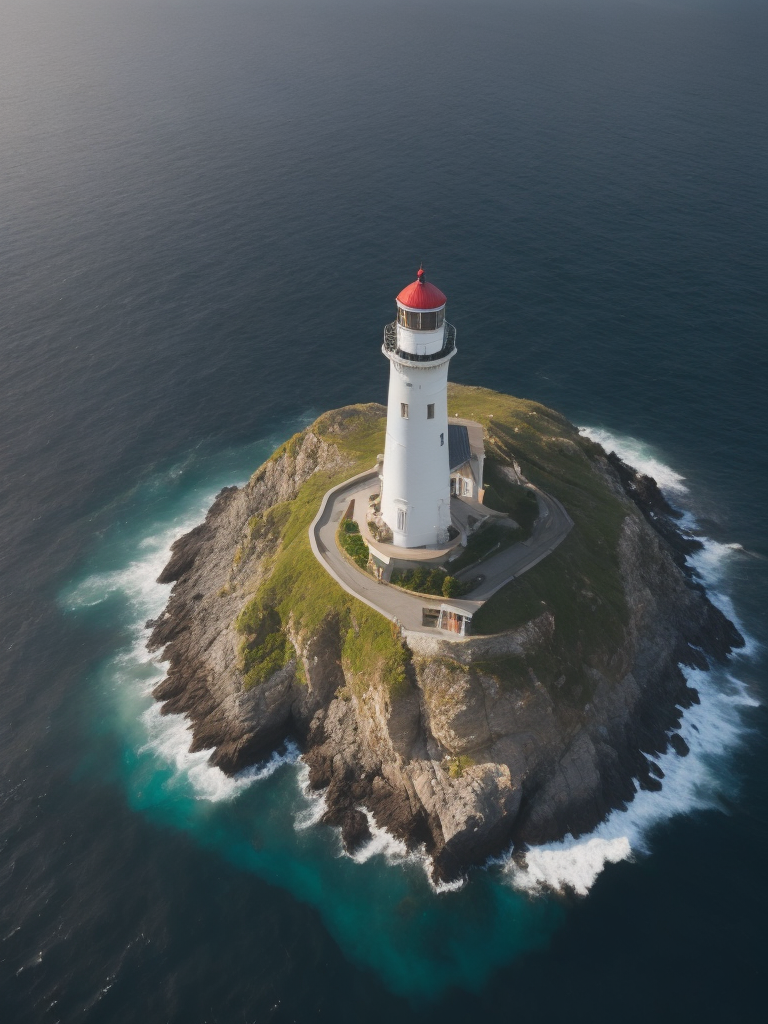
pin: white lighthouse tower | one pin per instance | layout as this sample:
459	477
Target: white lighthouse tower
415	493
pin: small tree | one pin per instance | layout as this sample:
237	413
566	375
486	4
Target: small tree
452	587
419	580
434	584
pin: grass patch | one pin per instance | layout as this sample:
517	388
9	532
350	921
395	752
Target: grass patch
265	649
458	765
348	536
502	495
580	582
490	538
259	663
299	586
376	648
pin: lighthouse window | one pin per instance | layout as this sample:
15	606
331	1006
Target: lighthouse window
442	439
430	412
404	410
420	321
401	519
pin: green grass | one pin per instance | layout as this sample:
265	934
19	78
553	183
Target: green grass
261	662
504	496
580	582
300	590
374	649
490	538
458	765
348	536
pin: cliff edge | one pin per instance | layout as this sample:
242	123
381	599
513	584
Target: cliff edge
535	727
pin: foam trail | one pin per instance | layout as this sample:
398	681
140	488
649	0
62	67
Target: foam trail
712	564
137	671
137	581
381	844
638	454
712	729
169	739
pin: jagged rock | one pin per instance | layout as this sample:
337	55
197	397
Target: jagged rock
679	745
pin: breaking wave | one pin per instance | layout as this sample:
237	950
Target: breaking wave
639	455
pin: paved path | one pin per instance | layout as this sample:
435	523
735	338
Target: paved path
398	605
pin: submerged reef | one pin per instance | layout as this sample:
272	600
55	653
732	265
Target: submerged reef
537	726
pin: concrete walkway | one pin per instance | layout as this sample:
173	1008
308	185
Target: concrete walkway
551	528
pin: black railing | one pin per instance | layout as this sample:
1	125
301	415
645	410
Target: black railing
449	345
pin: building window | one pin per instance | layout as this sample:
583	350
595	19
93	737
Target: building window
404	410
430	412
401	519
442	440
466	487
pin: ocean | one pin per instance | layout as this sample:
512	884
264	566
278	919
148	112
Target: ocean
208	209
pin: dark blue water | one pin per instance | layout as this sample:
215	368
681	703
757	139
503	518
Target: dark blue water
207	210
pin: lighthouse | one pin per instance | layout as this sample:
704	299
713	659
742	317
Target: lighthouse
416	477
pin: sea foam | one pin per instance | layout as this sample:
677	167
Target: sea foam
639	455
137	671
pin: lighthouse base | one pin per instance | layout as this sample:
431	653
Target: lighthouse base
466	516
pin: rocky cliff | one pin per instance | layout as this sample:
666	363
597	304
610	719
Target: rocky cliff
532	730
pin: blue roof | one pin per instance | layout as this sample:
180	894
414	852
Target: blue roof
459	451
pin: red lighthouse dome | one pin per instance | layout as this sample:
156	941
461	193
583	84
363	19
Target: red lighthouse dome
421	295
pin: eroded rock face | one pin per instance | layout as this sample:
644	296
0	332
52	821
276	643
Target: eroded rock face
467	760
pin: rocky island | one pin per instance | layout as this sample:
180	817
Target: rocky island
537	725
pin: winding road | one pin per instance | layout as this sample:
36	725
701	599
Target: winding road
551	528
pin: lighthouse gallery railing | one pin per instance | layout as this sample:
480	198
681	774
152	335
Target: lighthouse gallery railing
390	344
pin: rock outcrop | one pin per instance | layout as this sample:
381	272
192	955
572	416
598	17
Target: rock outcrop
499	739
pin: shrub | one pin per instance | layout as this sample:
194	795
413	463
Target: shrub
434	584
423	581
418	580
351	542
453	587
458	765
261	662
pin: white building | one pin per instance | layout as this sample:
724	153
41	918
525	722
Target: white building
416	478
